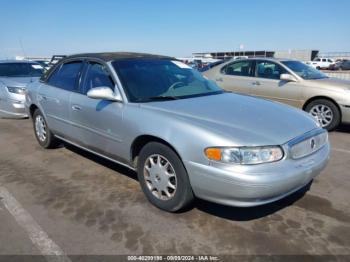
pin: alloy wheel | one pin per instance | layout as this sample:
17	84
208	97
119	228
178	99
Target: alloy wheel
160	177
323	114
40	128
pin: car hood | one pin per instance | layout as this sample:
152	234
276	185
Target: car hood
243	119
17	81
332	82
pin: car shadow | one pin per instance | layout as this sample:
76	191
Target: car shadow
103	104
218	210
343	128
102	161
249	213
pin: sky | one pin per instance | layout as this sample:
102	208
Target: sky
171	27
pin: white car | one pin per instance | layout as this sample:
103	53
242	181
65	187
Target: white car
321	63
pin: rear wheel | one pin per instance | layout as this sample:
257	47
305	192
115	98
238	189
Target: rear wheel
163	177
318	68
42	132
325	112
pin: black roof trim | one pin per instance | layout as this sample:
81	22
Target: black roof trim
111	56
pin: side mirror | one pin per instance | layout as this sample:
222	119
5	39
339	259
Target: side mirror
288	78
105	93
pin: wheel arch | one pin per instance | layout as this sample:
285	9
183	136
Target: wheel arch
32	109
325	98
140	141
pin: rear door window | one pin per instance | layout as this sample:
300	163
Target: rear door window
241	68
66	76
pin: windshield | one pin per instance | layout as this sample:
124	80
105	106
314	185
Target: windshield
147	80
304	71
20	70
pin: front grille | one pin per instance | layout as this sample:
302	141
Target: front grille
308	144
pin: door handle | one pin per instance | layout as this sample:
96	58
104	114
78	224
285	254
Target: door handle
76	108
219	79
256	83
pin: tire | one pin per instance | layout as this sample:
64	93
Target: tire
336	117
48	140
318	68
152	182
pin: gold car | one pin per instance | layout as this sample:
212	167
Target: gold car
288	81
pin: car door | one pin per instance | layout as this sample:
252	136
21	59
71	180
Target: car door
324	63
54	96
267	84
330	61
97	123
236	76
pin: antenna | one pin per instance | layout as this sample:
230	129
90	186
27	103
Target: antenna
21	45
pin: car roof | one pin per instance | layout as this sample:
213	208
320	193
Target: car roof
17	61
266	59
112	56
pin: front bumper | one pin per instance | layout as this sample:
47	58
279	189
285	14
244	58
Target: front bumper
245	186
10	108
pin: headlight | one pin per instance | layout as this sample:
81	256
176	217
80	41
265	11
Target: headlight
244	155
16	90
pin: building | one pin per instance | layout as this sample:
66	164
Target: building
33	58
303	55
231	54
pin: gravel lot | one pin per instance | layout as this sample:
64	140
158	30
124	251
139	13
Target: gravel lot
87	205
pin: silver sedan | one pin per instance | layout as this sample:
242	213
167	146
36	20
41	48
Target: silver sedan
14	77
183	135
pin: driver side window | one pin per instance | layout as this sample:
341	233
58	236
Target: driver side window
97	75
270	70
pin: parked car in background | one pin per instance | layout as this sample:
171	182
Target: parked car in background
290	82
341	65
239	57
14	77
55	59
43	63
208	66
183	134
321	63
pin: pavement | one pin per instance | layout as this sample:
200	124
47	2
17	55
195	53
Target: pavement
69	202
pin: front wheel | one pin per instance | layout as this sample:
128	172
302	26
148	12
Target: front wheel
163	177
42	132
325	112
